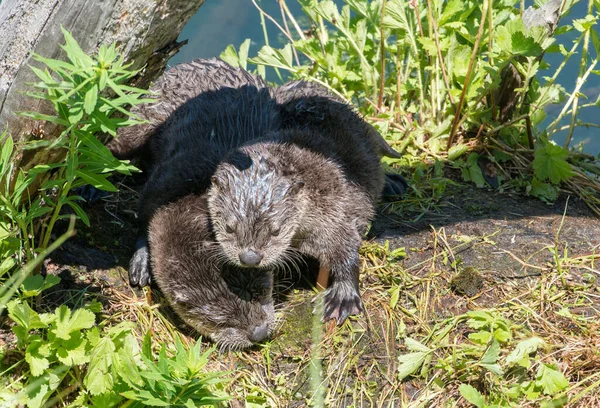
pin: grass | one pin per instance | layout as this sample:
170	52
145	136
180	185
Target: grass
539	273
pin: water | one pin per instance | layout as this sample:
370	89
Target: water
219	23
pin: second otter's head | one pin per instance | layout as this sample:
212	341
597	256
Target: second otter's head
254	207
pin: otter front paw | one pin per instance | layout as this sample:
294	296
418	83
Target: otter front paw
139	269
342	300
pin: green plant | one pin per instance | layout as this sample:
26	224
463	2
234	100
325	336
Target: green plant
31	200
506	374
70	359
445	79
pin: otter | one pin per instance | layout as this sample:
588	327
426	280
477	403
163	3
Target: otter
198	141
232	307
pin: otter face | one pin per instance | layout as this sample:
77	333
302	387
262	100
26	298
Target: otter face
254	213
233	324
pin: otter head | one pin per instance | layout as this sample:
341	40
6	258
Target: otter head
254	209
234	310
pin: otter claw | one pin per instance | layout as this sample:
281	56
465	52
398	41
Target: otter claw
139	271
339	307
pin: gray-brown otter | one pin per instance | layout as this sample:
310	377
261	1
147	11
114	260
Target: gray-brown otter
205	131
232	307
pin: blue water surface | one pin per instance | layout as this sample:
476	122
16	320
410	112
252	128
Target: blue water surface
219	23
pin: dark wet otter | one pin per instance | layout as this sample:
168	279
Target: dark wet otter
233	307
206	131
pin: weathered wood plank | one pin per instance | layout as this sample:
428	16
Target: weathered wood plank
145	30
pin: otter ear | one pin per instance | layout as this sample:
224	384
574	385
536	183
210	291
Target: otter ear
297	186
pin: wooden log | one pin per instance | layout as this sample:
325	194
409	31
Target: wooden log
145	31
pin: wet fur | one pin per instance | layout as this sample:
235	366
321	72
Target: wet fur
216	299
205	112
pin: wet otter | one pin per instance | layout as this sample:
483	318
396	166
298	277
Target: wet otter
232	307
238	109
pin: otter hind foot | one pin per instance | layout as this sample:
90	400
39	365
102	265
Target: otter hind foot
139	268
395	185
341	301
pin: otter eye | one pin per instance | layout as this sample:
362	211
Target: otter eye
229	228
276	231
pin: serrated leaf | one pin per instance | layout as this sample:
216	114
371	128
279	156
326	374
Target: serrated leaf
36	355
523	349
480	337
410	363
550	163
551	380
471	394
492	353
98	379
67	322
275	58
73	351
584	24
24	315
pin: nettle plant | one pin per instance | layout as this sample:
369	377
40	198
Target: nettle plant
458	80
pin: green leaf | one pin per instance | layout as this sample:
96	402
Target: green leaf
91	97
584	24
36	355
544	191
275	58
35	284
456	151
73	351
523	349
414	345
551	380
410	363
595	42
492	353
472	171
79	211
550	163
97	180
471	394
24	315
98	379
66	323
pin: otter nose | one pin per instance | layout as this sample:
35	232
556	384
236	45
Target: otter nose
250	258
260	333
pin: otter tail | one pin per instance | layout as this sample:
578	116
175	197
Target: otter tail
385	150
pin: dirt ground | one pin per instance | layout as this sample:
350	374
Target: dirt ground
473	249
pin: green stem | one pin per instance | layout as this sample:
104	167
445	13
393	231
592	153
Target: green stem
263	24
580	81
63	193
582	64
